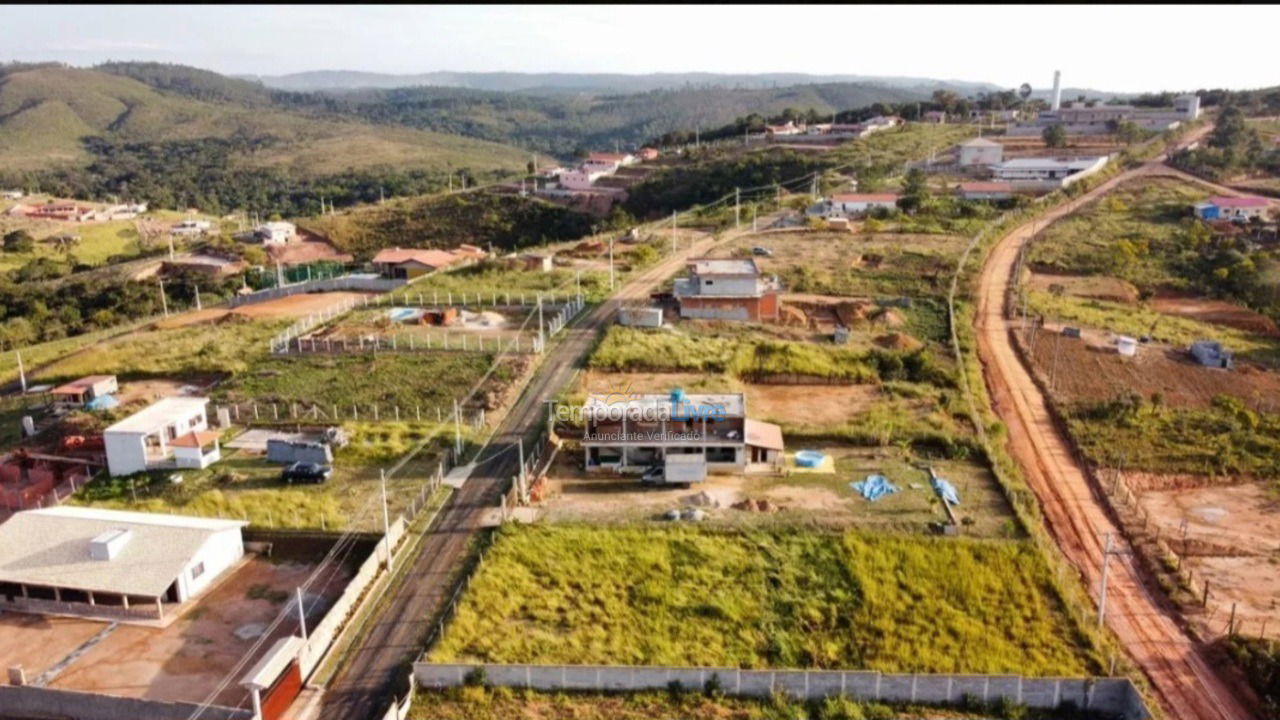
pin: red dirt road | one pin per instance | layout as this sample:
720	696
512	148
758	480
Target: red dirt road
1078	519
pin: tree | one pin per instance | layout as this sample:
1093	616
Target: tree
19	241
915	191
1054	136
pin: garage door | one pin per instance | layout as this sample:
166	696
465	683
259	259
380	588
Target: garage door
281	695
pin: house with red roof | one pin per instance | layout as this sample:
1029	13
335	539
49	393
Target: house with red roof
409	263
1238	209
985	191
850	205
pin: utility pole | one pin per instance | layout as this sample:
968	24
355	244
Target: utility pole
1107	552
737	208
302	615
22	374
753	219
577	280
541	339
386	517
170	246
457	430
164	303
610	264
673	231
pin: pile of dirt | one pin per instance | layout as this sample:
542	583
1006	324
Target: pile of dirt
702	499
891	319
899	341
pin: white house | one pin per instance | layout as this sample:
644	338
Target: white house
191	227
851	205
581	179
980	152
276	233
1233	208
607	163
145	439
93	561
1047	173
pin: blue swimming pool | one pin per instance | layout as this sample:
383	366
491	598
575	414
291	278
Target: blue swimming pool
809	458
402	314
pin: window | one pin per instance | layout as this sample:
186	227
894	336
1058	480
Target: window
197	570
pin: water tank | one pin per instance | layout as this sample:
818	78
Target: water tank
109	544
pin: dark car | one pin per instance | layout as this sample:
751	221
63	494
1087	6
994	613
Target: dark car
761	251
306	472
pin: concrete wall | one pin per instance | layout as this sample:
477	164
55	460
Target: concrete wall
47	702
1115	696
218	554
330	285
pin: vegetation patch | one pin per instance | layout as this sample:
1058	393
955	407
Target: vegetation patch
683	596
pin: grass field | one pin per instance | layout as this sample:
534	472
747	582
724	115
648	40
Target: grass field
1132	233
913	140
244	485
406	379
1138	321
683	596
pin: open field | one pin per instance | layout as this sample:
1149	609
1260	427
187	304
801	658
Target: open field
478	703
406	379
1231	541
97	242
1133	233
685	596
1089	287
183	661
226	346
489	278
1138	321
487	326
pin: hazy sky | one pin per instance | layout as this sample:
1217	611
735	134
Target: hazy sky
1104	47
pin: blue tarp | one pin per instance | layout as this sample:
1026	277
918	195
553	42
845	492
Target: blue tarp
945	490
104	402
874	487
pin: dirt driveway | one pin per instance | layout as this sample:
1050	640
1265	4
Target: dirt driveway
1182	676
291	306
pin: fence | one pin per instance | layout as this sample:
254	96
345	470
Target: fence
347	283
413	342
267	413
1112	696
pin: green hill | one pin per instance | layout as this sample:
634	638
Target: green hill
46	113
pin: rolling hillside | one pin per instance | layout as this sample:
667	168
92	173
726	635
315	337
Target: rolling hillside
46	113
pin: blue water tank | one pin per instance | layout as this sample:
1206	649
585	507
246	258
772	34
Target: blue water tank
677	395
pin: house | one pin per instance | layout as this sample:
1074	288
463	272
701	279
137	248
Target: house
537	262
853	205
727	289
144	440
122	212
640	316
191	227
980	152
59	211
987	191
607	163
92	561
410	263
275	233
80	393
581	179
635	432
647	154
1034	173
839	223
1211	354
937	117
1238	209
11	194
787	128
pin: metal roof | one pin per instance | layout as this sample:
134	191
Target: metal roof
724	266
159	414
763	434
50	547
734	404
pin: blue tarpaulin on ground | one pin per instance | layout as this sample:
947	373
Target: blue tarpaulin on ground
945	490
103	402
874	487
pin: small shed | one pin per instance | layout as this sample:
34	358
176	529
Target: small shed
685	468
1206	211
1126	346
292	451
79	393
537	262
640	317
197	449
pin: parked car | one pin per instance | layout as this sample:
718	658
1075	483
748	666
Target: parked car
306	472
761	251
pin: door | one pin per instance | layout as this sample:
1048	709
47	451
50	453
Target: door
282	693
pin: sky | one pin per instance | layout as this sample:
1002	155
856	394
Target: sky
1117	48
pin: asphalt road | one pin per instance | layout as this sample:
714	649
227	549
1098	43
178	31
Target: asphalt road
377	669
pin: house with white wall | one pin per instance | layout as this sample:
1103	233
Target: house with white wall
854	205
145	440
94	561
980	152
276	233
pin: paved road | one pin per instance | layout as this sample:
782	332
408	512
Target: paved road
1076	513
375	670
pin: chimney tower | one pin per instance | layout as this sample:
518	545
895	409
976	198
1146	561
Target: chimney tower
1057	91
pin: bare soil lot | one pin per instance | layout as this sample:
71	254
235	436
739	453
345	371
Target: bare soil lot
1090	369
1232	541
1087	286
823	499
184	661
1218	312
292	306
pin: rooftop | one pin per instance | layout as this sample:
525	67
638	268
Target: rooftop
986	187
1037	163
159	414
734	404
864	197
50	547
724	266
980	142
763	434
75	387
434	258
195	439
1246	201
